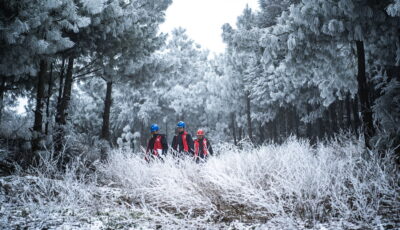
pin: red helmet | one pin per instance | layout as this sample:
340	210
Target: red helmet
200	132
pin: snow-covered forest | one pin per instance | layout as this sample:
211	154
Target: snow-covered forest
302	110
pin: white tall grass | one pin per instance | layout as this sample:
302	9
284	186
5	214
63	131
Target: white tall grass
288	186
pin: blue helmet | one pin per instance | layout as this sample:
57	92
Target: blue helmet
154	127
181	124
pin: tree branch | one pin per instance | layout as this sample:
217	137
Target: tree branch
81	75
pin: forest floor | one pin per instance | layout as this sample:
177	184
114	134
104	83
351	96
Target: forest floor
335	185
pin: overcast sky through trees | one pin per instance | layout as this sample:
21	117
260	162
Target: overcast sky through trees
203	19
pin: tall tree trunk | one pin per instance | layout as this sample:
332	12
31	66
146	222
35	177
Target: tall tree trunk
309	129
275	131
261	129
38	121
240	133
356	118
233	128
348	112
340	113
61	85
292	122
287	122
296	123
61	116
248	113
280	125
333	118
286	116
2	92
50	85
321	128
144	135
366	110
327	123
105	130
268	131
283	126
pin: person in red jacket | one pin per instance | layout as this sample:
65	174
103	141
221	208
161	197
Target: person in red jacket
202	147
183	142
157	145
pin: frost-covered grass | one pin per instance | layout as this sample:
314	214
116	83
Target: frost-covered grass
288	186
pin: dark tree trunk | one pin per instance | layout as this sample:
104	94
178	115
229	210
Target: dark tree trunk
348	112
288	124
366	110
296	123
340	115
356	116
321	128
2	92
333	118
105	130
281	125
262	133
268	131
327	123
274	125
144	136
286	119
50	85
248	113
240	133
60	89
38	121
233	128
61	116
309	130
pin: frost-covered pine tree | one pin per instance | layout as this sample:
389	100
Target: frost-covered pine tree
34	32
117	41
324	44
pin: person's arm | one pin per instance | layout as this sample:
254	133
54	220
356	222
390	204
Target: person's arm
209	147
164	145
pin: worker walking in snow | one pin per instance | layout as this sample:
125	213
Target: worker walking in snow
183	142
157	145
202	147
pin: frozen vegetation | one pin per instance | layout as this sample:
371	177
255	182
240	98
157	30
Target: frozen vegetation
95	74
290	186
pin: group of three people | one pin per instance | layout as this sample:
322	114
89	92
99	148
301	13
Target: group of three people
182	144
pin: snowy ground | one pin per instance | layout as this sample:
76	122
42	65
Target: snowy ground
290	186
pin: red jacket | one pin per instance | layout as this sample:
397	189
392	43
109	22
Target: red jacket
157	145
202	148
183	142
